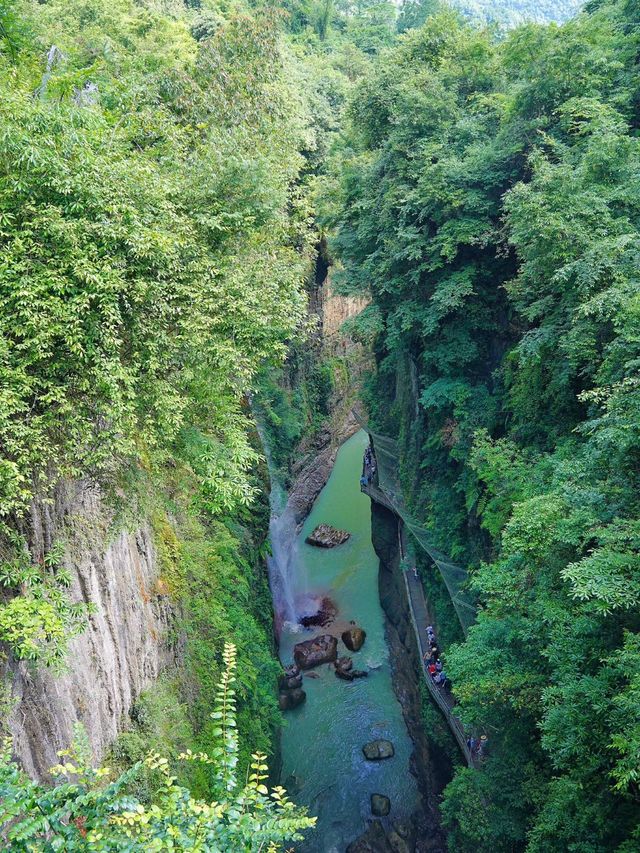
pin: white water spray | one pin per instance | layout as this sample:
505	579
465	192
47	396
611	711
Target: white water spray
283	536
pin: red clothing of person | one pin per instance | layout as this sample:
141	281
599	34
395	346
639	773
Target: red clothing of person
432	669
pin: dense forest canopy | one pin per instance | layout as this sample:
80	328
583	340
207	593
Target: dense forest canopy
166	170
490	204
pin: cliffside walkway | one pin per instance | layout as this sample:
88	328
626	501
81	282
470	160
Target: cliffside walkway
370	485
440	695
420	620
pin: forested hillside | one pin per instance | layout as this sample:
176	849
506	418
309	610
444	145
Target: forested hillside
511	13
155	241
171	175
489	200
501	14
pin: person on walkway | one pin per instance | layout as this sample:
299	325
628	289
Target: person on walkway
482	745
434	653
471	743
432	670
438	665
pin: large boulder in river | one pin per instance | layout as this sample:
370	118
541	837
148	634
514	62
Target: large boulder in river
325	536
354	638
380	805
322	649
376	750
289	699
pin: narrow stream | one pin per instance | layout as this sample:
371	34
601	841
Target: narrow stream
323	764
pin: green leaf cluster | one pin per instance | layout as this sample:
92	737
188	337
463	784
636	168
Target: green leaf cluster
86	809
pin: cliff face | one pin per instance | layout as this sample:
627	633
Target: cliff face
315	455
429	765
123	648
336	309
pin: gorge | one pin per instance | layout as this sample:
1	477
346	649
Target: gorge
235	238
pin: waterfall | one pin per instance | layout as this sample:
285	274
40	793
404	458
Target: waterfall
282	562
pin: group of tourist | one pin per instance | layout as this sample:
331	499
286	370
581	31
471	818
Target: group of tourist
432	660
477	746
368	467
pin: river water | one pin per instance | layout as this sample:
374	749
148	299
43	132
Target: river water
323	765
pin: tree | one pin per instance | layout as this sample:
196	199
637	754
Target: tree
85	810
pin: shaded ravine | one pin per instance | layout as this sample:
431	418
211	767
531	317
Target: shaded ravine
323	765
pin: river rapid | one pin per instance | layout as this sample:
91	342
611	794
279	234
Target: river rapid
323	764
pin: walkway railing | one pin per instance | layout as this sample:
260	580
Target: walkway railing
420	619
381	472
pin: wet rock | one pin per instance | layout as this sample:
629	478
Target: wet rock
344	664
286	682
378	749
380	805
374	840
291	699
325	536
312	675
404	830
344	674
292	670
322	649
399	844
359	673
325	615
354	638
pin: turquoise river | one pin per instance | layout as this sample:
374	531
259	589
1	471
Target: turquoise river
323	764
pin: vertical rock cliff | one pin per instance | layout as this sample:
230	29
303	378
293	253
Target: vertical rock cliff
124	646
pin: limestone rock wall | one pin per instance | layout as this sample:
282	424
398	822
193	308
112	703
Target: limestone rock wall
336	309
123	648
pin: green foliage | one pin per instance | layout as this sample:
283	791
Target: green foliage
488	202
153	241
86	811
38	620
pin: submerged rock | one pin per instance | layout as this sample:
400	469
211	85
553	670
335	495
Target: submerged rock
322	649
378	749
399	844
380	805
354	638
291	699
345	664
325	536
374	840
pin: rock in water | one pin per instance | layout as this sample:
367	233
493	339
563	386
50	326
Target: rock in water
322	649
285	683
378	749
325	536
344	664
374	840
354	638
380	805
291	699
398	844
